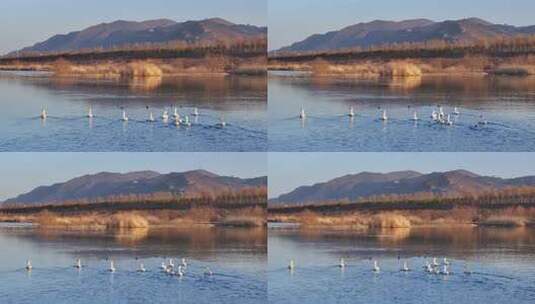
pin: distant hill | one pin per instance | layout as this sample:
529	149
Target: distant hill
121	33
380	32
366	184
107	184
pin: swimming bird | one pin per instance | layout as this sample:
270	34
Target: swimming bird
195	112
428	268
175	113
141	268
482	121
342	263
44	114
351	112
151	117
415	116
78	264
179	271
445	261
384	117
448	120
291	266
208	272
29	265
184	263
186	122
405	267
445	270
163	267
177	121
302	113
434	115
435	263
90	113
171	263
456	111
165	115
376	268
440	112
124	118
221	122
112	267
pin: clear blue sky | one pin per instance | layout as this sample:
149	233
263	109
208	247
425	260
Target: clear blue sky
25	22
293	20
287	171
22	172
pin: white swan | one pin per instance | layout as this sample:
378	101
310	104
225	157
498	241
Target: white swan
124	117
142	268
78	264
29	265
376	268
163	267
151	117
112	267
175	113
195	112
43	114
208	272
445	261
221	122
405	267
445	270
184	263
342	263
302	113
186	122
434	115
171	263
384	117
351	112
428	268
179	272
456	111
435	263
448	121
415	116
177	121
440	112
165	115
90	113
291	266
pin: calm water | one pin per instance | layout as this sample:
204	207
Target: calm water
237	257
241	101
502	262
506	103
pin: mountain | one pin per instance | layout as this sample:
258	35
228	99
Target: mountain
120	33
380	32
106	184
368	184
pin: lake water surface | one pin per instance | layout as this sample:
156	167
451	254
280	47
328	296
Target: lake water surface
240	101
507	104
237	257
502	262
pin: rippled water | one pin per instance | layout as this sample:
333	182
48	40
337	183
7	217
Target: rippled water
237	257
506	103
502	262
240	101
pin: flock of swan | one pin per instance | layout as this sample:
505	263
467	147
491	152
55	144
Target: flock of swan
438	116
175	118
170	268
433	267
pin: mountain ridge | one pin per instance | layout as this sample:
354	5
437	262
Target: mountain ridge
107	184
366	184
123	32
382	32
